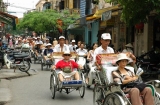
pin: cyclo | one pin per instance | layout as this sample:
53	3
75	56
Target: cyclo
69	83
108	92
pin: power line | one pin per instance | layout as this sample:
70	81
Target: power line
21	7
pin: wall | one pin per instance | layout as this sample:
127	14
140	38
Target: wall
141	41
39	5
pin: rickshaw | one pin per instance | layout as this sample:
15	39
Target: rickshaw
69	84
107	92
45	62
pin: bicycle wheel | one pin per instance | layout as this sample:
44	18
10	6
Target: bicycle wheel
53	85
157	99
114	99
82	89
98	95
26	66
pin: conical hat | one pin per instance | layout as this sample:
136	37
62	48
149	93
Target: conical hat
129	45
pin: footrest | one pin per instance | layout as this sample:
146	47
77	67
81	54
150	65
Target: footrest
72	83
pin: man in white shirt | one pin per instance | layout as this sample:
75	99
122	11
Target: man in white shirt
25	44
81	50
61	47
39	40
104	48
73	46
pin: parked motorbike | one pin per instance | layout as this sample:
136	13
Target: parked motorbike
150	63
14	59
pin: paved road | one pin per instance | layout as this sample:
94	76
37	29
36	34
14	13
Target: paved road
34	90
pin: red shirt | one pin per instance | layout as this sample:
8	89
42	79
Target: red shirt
61	64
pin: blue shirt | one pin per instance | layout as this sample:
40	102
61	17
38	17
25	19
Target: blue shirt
47	51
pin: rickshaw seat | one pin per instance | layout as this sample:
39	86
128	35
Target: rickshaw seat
110	69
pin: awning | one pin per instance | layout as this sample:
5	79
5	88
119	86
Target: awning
8	19
99	13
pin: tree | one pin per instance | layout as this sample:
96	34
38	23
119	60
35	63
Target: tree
136	11
46	21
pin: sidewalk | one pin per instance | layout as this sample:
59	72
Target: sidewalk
5	94
10	74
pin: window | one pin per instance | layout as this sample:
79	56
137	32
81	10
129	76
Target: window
76	4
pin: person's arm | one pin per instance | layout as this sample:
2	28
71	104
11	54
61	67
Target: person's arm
57	66
74	64
125	79
89	55
45	52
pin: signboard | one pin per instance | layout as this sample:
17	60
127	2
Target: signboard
106	59
106	15
109	59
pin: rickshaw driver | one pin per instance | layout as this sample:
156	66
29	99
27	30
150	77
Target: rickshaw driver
67	67
61	47
104	48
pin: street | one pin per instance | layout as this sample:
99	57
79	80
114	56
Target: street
34	90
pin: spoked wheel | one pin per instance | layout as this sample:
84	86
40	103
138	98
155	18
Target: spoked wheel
26	66
157	99
53	85
82	89
114	99
35	58
98	96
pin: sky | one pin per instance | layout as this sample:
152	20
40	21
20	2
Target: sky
29	4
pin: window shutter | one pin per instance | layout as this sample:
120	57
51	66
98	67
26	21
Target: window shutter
70	4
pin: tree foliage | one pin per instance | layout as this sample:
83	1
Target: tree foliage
46	21
136	11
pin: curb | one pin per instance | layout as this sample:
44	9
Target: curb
5	93
12	75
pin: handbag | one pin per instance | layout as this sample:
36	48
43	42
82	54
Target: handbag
140	86
67	69
136	84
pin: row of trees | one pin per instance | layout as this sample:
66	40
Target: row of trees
136	11
46	21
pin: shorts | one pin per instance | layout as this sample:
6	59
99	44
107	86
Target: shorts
66	74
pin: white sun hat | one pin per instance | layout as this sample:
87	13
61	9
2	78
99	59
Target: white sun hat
67	52
61	37
122	56
48	44
73	41
106	36
129	45
47	39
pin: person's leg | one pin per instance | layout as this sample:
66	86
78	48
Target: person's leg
147	95
135	96
60	76
76	75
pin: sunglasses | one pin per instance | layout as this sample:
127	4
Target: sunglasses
66	54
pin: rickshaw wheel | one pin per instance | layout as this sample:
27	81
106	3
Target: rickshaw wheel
114	99
42	64
53	86
82	89
98	95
